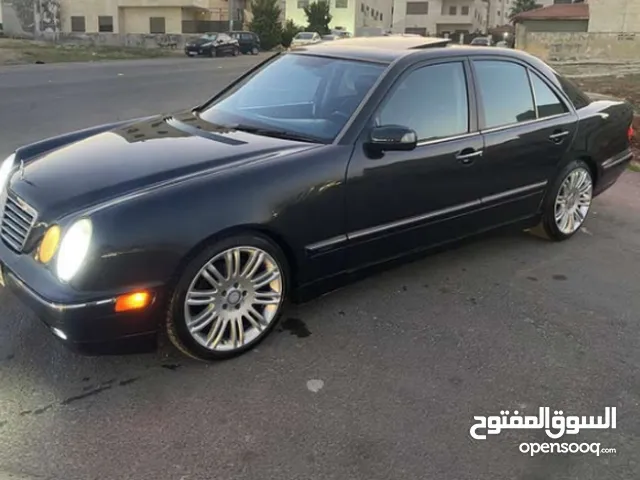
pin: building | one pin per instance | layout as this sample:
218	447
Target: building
147	16
554	18
614	16
438	17
498	12
349	15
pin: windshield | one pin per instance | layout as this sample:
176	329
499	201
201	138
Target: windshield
304	95
208	38
304	36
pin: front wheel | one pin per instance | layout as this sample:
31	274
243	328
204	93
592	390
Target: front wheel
236	52
228	298
568	202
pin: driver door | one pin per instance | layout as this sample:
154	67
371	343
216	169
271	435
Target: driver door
400	201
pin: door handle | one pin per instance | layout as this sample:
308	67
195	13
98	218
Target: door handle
469	157
557	137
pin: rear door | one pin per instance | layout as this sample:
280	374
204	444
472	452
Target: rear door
527	130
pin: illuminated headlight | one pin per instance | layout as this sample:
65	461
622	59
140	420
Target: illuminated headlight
5	170
73	249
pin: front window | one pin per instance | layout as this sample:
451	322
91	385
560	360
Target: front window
309	97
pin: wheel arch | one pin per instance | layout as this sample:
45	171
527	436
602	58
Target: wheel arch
249	229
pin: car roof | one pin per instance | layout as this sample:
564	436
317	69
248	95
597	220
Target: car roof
386	49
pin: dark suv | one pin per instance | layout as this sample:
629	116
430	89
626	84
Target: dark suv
249	41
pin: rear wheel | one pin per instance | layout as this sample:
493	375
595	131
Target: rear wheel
254	50
236	52
228	298
568	203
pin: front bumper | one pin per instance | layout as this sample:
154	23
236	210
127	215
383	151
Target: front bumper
91	327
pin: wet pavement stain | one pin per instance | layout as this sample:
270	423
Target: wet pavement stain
533	279
171	366
42	410
129	381
559	277
296	327
82	396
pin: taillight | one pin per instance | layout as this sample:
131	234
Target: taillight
630	133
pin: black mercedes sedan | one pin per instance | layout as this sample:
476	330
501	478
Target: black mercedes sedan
315	165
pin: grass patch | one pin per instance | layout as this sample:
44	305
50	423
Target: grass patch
16	52
634	167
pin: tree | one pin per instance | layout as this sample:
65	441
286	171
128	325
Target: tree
289	31
266	22
520	6
319	16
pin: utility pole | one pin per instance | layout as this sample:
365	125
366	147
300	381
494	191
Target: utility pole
488	14
231	15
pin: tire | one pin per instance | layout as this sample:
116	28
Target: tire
236	52
254	51
561	193
227	309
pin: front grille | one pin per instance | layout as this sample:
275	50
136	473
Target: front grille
18	219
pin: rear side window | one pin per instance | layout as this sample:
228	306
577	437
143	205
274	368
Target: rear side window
579	99
505	93
431	100
547	101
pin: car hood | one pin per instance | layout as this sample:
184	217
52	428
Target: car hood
146	153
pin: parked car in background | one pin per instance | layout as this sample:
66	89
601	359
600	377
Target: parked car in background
306	38
213	45
341	33
482	42
321	164
329	38
249	42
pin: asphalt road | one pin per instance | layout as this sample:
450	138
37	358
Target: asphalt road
379	380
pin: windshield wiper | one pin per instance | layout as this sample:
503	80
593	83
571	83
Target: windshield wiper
277	133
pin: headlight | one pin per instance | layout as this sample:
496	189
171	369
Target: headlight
5	170
73	249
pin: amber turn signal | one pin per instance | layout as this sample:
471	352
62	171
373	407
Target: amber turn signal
49	244
133	301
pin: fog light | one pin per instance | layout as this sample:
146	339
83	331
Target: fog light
59	333
133	301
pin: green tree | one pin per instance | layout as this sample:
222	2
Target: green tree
319	16
266	22
289	31
520	6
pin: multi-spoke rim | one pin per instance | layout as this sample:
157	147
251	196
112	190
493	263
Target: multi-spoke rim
573	201
233	298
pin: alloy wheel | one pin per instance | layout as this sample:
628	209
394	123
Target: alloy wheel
573	201
234	298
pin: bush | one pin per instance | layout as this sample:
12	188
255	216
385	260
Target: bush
266	22
289	31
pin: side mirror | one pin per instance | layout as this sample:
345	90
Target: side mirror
392	138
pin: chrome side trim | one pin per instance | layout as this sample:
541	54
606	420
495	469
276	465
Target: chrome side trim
56	306
445	211
513	192
528	122
408	221
613	161
448	139
328	244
